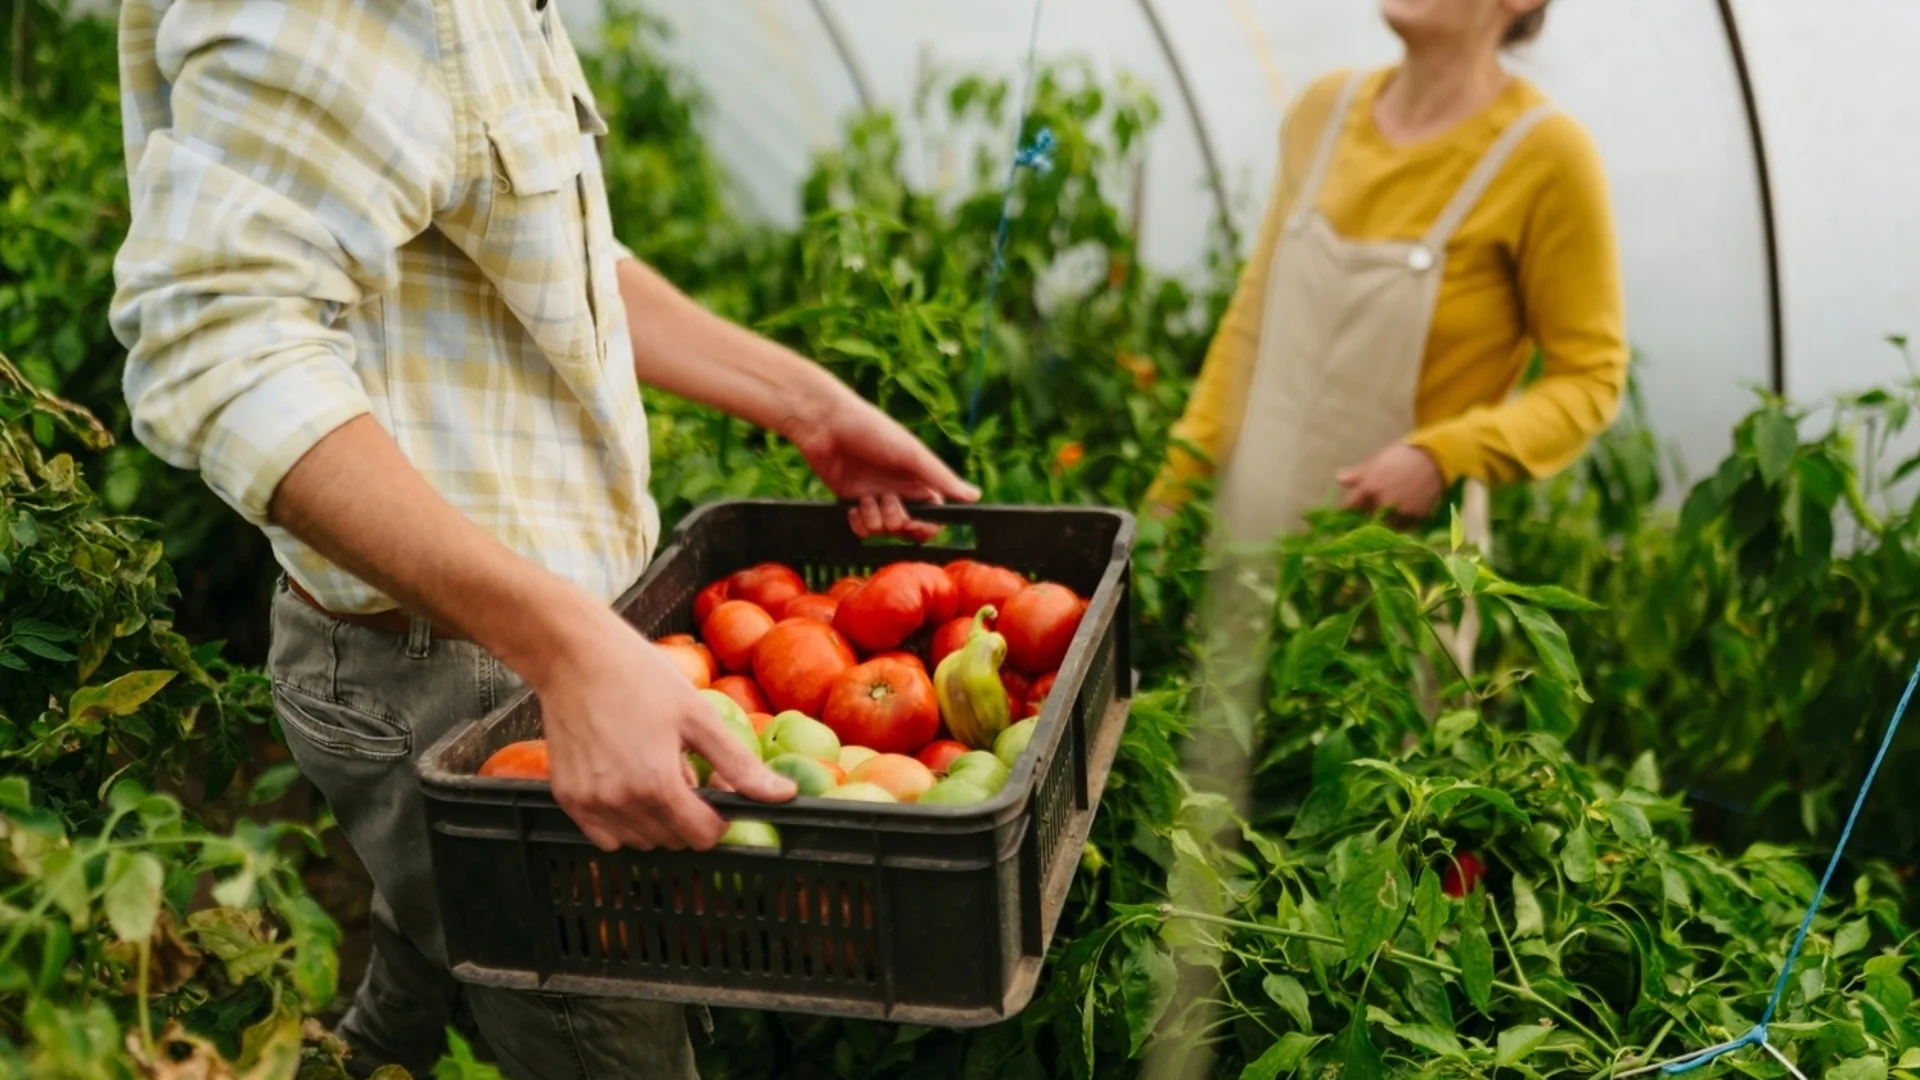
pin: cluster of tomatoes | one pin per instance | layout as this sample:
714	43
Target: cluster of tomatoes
836	689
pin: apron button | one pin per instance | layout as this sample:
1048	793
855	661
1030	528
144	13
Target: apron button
1420	259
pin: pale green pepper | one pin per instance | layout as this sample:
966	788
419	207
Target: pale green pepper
973	700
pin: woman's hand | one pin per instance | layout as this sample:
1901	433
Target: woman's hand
1403	480
861	453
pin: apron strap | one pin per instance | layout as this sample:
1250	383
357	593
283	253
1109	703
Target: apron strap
1482	178
1323	157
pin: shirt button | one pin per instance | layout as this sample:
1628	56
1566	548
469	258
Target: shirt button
1420	260
501	184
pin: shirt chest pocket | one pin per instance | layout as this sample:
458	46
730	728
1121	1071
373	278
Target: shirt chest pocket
535	246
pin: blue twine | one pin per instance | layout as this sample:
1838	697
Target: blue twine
1758	1035
1037	156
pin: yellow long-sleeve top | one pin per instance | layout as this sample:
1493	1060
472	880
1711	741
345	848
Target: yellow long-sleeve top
1535	264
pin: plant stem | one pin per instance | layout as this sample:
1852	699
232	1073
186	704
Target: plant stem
1398	957
146	1015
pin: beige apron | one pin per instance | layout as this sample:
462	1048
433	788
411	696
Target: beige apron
1342	341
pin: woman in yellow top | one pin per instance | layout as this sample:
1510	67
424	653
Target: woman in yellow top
1433	223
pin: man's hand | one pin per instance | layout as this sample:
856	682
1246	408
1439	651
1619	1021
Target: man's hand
1403	480
861	453
618	715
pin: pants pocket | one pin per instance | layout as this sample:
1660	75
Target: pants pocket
339	729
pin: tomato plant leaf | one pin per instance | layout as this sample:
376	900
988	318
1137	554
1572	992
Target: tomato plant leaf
1476	953
64	878
1528	921
1366	540
1851	938
1147	983
1645	773
1429	908
1551	597
44	630
1372	898
273	783
15	793
1775	440
1446	799
1431	1039
1516	1044
1576	857
1282	1058
1549	642
45	650
1629	822
1286	992
121	697
131	893
1860	1068
1359	1058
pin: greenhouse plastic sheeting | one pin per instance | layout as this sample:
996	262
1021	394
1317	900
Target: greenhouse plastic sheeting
1655	81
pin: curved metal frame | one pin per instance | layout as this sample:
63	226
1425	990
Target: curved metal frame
1764	174
858	77
1215	178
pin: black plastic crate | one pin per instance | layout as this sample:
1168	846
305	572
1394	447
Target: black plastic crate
934	915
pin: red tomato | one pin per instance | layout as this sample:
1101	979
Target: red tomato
710	597
939	754
886	705
1037	696
694	661
884	612
770	585
1039	623
733	629
811	606
518	761
743	692
979	585
1018	690
905	657
797	663
1463	874
844	586
951	635
942	599
678	639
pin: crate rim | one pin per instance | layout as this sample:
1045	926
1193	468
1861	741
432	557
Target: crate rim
1004	806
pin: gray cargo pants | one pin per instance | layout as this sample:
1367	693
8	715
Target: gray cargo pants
358	706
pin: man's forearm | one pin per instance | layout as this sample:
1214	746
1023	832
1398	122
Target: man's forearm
356	499
680	347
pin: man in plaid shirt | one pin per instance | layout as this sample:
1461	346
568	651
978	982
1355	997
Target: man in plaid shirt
372	293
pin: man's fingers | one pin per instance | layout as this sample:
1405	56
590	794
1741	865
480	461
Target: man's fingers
690	821
735	763
893	516
871	521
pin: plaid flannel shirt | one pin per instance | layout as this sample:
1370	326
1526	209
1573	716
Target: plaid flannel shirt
385	207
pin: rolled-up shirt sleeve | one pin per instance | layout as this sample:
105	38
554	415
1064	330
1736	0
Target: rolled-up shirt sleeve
280	167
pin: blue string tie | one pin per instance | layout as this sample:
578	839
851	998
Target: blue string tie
1038	156
1757	1036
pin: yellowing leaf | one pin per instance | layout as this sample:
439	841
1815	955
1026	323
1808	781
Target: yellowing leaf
121	697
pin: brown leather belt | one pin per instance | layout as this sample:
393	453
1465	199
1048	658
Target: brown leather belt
390	622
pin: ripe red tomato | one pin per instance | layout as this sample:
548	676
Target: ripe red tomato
812	606
694	661
733	629
951	635
518	761
885	611
770	585
797	663
1462	875
1018	691
979	585
710	597
942	599
1037	696
743	692
1039	622
939	754
887	705
845	585
904	657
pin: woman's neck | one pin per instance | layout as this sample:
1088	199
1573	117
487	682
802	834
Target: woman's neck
1436	88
